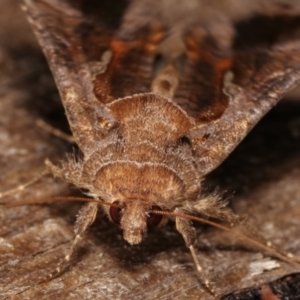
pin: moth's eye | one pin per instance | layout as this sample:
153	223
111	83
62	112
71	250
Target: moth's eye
153	219
116	211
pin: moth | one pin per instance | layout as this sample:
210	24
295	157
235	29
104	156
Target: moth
155	104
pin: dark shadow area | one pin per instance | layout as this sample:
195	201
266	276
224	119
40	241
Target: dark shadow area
31	75
250	35
265	151
109	13
103	232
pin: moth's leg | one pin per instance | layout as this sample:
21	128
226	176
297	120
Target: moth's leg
54	131
188	232
85	218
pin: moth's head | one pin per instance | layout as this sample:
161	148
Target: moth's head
134	218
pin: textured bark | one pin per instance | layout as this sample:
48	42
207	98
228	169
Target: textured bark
264	171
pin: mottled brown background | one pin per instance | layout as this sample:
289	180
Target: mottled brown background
264	172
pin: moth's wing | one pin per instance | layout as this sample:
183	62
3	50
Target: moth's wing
93	59
75	36
227	108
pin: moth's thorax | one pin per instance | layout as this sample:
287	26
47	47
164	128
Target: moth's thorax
145	157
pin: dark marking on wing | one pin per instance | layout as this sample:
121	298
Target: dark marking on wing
130	70
200	90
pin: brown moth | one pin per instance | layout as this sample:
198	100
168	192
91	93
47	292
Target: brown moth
154	110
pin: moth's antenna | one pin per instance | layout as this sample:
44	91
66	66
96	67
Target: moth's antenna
288	257
51	200
24	185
